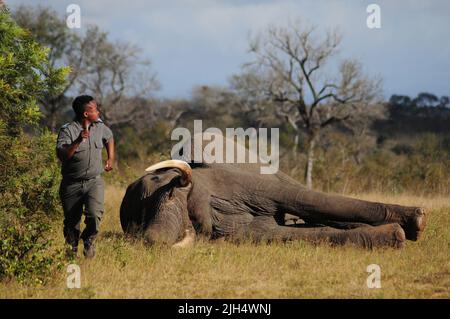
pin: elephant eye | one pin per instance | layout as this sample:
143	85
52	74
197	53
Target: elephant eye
155	178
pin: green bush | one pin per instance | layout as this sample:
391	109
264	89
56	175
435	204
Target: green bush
28	204
29	172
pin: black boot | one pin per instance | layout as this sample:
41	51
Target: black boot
72	251
89	248
72	239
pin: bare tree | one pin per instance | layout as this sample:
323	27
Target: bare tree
113	73
252	100
65	48
293	64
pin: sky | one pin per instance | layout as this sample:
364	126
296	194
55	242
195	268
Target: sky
204	42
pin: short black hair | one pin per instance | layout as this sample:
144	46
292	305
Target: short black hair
79	104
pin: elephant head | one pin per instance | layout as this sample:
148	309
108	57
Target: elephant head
156	204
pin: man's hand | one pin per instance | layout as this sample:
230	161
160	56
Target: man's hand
83	135
108	165
67	151
110	150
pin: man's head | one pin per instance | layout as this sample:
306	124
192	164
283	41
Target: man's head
85	107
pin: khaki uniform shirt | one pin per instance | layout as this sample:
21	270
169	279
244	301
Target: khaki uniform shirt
86	163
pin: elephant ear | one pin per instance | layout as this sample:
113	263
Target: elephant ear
132	207
182	166
146	189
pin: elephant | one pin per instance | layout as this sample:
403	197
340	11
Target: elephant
176	201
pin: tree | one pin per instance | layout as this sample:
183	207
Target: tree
251	99
65	48
114	73
29	175
292	64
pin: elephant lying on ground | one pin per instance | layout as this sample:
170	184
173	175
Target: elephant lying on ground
174	202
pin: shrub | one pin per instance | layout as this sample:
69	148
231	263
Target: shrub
29	173
28	205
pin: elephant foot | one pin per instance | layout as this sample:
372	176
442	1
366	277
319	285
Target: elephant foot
412	219
415	225
399	236
388	235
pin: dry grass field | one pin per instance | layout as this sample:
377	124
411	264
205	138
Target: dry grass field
128	269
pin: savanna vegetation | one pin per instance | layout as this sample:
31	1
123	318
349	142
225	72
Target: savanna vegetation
338	135
127	268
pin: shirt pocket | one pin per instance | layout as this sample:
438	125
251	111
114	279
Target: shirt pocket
97	153
98	144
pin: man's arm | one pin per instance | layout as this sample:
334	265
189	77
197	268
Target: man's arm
110	151
65	152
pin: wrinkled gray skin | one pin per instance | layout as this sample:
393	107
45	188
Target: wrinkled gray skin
234	201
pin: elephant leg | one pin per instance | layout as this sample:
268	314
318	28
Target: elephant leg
295	221
336	224
266	229
318	207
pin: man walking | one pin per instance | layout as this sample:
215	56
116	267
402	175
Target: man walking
79	148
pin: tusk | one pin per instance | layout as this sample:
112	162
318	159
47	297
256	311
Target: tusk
184	167
187	241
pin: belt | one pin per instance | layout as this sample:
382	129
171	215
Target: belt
68	179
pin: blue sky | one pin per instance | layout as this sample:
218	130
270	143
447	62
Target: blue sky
204	42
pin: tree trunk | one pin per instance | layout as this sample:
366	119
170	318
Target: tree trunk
296	141
310	161
53	122
116	157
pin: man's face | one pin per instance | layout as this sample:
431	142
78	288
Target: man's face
91	112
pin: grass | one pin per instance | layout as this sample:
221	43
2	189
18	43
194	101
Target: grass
124	268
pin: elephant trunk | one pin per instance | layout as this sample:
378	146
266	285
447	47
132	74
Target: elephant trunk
168	226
